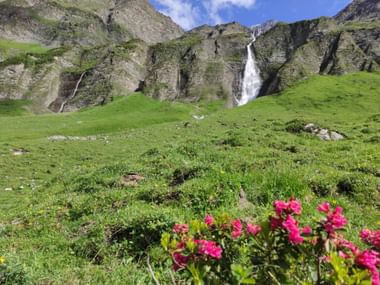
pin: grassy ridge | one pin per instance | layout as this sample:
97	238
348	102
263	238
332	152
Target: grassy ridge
124	113
10	48
70	219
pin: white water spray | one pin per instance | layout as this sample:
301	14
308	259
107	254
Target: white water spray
252	80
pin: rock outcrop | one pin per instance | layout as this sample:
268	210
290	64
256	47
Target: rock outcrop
360	10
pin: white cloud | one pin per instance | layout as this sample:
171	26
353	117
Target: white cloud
213	7
191	13
183	12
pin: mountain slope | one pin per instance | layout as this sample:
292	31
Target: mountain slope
360	10
92	51
68	217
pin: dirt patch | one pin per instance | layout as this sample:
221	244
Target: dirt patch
131	180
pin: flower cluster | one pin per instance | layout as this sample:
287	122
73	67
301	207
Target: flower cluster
371	238
284	219
369	259
207	251
334	218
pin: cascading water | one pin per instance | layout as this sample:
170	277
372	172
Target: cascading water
252	80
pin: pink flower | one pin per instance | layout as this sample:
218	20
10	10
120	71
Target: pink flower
280	207
344	255
295	238
275	223
237	229
295	207
365	235
180	261
324	207
209	220
181	228
375	239
369	259
307	230
371	237
253	229
342	243
335	221
291	225
209	248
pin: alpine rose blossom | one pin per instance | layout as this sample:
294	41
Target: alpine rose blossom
253	229
209	220
307	230
295	207
180	261
324	207
275	223
371	238
335	221
291	225
369	259
181	228
237	229
209	248
280	207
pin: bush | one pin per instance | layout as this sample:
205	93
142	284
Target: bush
278	250
295	126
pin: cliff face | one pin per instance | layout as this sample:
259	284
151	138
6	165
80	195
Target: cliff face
67	54
289	53
105	41
199	64
70	22
206	63
360	10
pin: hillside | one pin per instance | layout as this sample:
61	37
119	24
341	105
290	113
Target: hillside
69	197
66	55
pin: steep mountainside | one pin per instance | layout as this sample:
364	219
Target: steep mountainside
89	50
206	63
360	10
67	54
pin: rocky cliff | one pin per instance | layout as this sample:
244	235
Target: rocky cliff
285	54
101	46
206	63
67	54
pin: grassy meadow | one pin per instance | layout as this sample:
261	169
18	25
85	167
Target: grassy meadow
68	215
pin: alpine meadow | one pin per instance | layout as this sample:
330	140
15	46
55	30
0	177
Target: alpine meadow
133	151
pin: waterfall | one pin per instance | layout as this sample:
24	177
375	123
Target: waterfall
252	81
73	95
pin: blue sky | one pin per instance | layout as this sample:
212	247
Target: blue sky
192	13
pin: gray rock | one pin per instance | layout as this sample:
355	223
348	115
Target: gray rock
310	127
336	136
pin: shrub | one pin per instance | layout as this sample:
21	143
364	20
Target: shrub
295	126
223	250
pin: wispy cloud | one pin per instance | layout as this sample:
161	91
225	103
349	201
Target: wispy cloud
214	7
190	13
183	12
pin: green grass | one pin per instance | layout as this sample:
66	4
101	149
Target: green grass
10	48
13	108
69	220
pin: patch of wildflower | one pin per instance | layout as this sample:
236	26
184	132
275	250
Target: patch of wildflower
224	250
